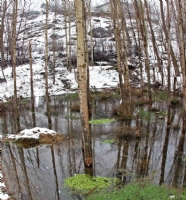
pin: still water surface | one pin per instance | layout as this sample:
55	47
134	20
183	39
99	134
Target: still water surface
38	173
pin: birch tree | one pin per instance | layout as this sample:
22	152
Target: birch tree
82	82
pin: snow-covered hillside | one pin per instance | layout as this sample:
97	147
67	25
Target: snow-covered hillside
33	28
100	77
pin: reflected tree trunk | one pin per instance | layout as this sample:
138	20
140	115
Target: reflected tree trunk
165	147
145	155
178	158
55	172
15	168
23	164
37	157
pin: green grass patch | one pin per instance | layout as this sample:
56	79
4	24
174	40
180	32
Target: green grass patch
72	96
84	183
139	191
24	101
105	95
175	102
101	121
145	114
73	117
108	141
160	95
176	127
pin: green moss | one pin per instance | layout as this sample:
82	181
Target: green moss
101	121
84	183
108	141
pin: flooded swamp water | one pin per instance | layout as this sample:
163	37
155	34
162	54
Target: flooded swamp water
150	145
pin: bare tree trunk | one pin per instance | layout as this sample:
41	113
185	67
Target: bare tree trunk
46	68
115	18
86	53
145	38
82	83
123	51
54	46
15	8
139	46
165	32
31	85
182	49
168	51
66	35
91	36
153	36
139	9
69	37
3	9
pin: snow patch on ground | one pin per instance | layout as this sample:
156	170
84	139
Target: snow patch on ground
32	133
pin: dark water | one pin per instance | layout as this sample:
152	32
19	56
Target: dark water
147	146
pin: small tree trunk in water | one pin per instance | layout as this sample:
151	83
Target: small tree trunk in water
82	83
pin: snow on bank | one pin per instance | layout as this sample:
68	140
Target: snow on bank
3	196
32	133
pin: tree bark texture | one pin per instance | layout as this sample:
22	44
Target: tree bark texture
82	82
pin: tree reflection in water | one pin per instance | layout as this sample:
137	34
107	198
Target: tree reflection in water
152	148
